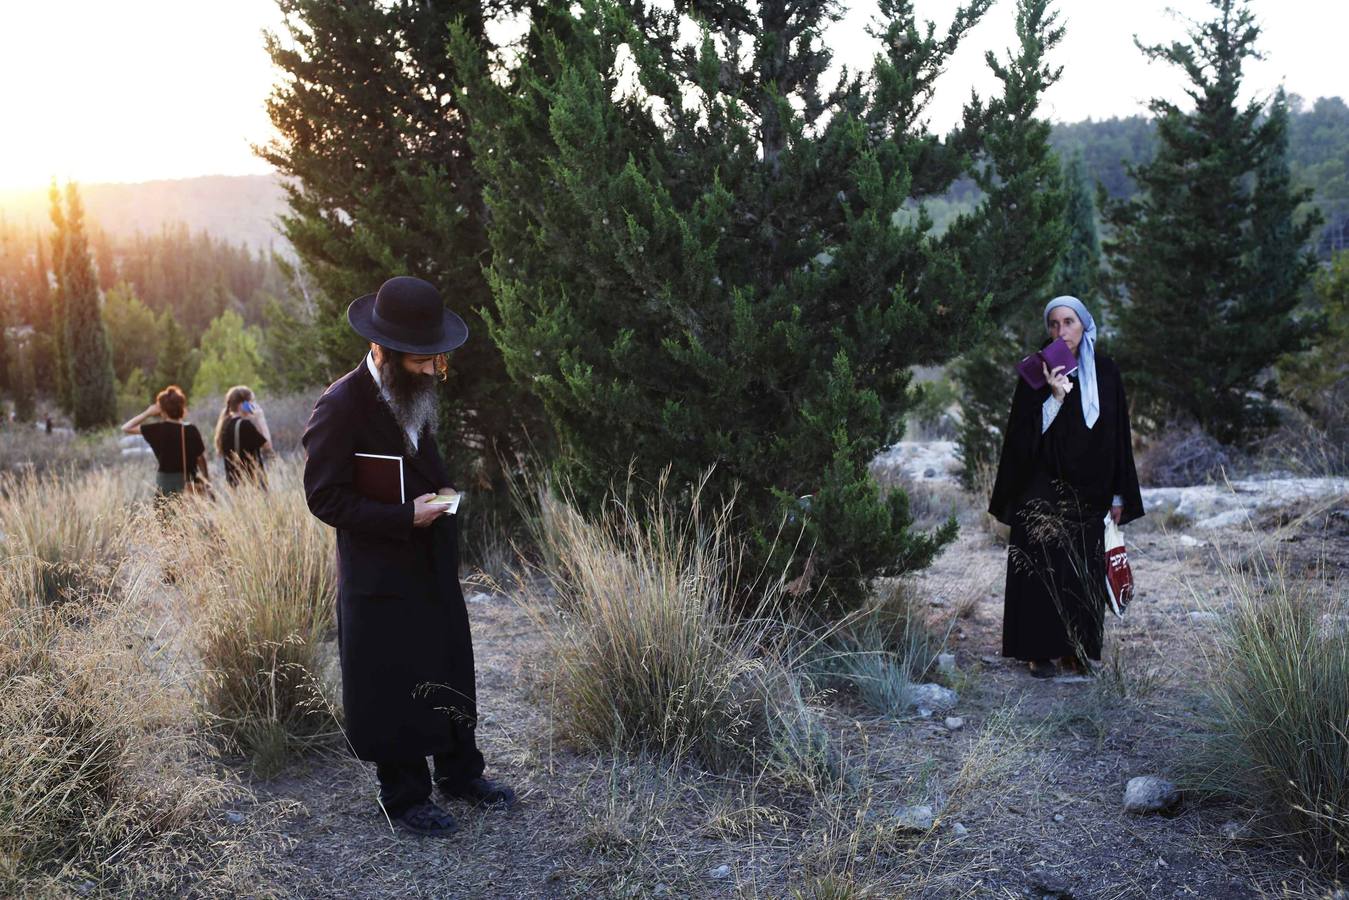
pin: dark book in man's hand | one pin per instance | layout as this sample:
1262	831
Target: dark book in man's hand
1055	354
379	477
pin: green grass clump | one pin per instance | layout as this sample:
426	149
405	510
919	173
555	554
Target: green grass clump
1281	691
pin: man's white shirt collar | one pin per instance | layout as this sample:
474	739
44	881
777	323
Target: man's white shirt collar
379	383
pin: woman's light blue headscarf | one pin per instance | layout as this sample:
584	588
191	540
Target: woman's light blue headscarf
1086	356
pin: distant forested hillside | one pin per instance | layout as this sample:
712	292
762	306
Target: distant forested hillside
1318	151
238	209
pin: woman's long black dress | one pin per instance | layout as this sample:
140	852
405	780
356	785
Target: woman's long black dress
1054	490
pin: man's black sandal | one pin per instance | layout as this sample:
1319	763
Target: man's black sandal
480	792
427	819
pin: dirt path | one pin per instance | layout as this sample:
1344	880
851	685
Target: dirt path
1042	818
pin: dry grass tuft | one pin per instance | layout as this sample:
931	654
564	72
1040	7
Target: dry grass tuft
98	773
260	573
61	536
647	653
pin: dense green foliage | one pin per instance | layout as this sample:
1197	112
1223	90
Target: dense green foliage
1210	255
382	186
698	262
1318	381
88	387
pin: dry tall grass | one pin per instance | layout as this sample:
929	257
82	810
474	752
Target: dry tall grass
260	573
98	775
647	653
1281	691
60	535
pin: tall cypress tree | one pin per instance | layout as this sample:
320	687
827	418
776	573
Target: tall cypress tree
88	359
383	184
1079	270
702	255
1209	256
59	336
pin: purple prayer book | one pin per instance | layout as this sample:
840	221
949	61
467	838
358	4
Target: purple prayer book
1055	354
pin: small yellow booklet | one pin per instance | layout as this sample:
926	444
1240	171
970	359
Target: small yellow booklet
448	498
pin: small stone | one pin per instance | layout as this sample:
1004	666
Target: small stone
914	818
1058	817
1203	615
479	597
946	663
1188	541
954	723
932	696
720	872
1149	794
1234	831
924	712
929	472
234	817
959	830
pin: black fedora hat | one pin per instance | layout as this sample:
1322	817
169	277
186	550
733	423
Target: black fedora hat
407	314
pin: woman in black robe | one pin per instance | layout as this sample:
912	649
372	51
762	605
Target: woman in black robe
1067	461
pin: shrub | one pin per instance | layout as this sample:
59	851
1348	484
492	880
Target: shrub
647	652
261	572
1281	692
1181	456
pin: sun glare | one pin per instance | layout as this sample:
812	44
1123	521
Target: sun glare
96	91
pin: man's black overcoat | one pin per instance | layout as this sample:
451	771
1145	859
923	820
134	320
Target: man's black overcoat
403	635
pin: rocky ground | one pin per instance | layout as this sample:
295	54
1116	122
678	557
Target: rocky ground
1023	781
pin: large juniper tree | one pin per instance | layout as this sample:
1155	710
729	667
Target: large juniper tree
382	185
703	255
1209	255
85	355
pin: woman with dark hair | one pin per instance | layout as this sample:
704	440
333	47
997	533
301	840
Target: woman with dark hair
1067	462
177	445
241	436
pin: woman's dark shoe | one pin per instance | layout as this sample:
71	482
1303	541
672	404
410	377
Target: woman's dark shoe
1042	668
1075	665
480	792
427	819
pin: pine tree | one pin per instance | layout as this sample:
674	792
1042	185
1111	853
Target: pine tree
704	258
92	386
1209	256
178	360
383	185
1079	270
133	332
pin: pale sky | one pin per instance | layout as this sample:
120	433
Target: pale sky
100	91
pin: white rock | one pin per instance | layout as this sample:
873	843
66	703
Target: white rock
1203	615
720	872
959	830
1058	817
1187	541
932	696
946	663
914	818
1149	794
954	723
1234	831
479	597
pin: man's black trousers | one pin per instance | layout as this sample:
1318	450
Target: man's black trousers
407	782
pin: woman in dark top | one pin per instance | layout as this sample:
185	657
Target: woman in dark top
177	445
241	436
1067	461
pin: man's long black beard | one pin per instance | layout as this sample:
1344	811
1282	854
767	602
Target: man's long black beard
410	397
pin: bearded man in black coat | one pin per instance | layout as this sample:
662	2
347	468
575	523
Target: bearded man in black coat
408	687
